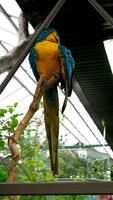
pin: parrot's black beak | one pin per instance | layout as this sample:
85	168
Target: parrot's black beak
58	39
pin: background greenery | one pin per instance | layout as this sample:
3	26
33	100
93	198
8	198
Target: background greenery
34	164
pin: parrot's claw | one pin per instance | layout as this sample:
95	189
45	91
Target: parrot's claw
45	83
56	75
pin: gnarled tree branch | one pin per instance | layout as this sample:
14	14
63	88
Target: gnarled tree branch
8	61
23	28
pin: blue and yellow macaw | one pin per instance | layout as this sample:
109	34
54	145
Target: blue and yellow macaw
47	58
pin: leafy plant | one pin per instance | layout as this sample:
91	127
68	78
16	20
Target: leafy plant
34	164
8	123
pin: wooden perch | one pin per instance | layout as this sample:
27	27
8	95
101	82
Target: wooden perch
23	124
15	137
12	141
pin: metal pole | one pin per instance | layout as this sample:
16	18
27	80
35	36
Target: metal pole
84	146
38	30
8	17
102	11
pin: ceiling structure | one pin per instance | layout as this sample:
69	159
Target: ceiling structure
83	30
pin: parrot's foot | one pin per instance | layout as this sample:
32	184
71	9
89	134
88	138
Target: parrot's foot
56	75
53	80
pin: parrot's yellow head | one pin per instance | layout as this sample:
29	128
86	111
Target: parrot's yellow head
53	37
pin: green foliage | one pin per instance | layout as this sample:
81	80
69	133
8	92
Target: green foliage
2	143
71	165
2	112
98	168
52	197
3	173
34	164
8	123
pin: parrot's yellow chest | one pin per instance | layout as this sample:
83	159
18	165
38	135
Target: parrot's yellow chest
48	59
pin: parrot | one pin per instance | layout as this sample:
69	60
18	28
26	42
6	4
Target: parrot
48	57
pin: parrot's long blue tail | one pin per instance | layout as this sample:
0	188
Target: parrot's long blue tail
51	113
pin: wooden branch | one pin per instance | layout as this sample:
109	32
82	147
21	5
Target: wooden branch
20	129
23	124
18	132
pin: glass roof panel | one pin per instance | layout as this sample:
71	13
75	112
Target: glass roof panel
11	7
5	24
76	126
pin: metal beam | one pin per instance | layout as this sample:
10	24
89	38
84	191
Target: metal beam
57	188
8	18
102	11
23	85
84	146
80	93
38	30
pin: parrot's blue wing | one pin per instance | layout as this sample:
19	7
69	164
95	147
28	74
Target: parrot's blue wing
68	64
32	60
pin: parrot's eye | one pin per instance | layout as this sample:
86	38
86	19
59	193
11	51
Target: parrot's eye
52	39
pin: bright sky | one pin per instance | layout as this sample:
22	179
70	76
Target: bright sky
109	50
77	128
